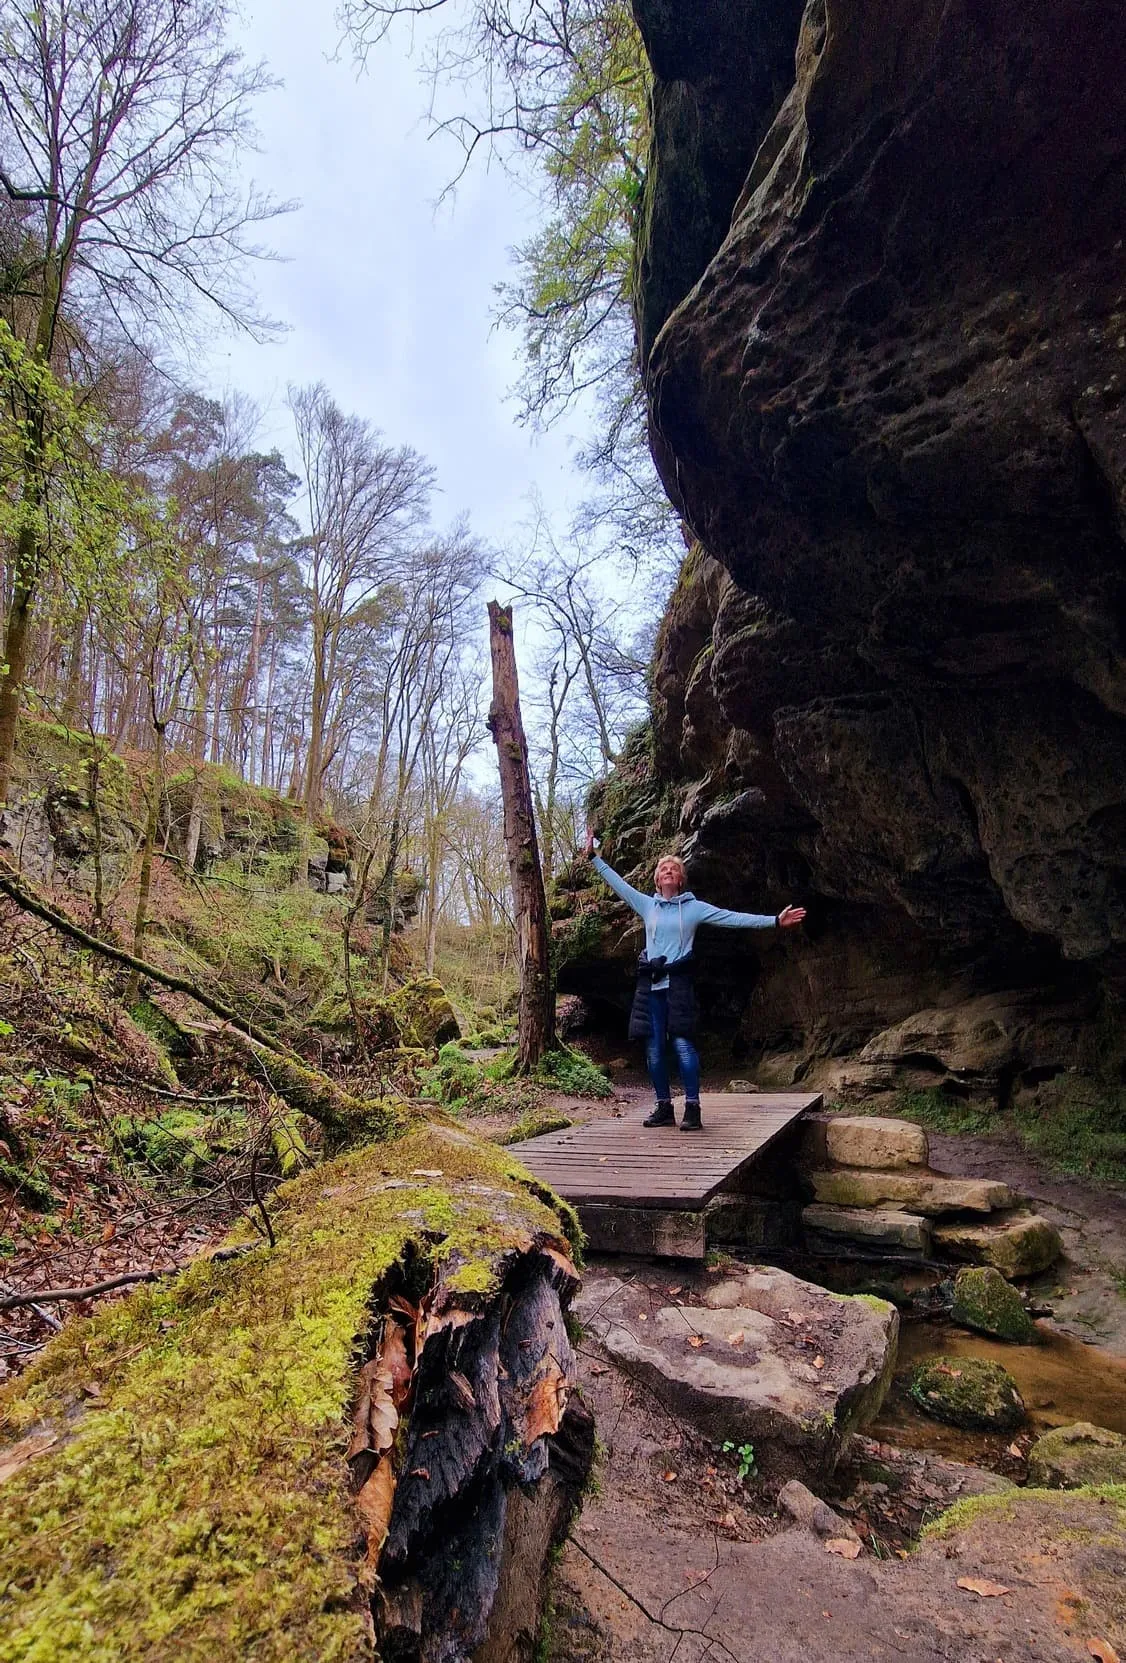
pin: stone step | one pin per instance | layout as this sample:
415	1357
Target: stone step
869	1227
1021	1245
862	1140
920	1191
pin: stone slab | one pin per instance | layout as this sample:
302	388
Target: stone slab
751	1221
871	1227
920	1191
1022	1244
863	1140
768	1359
668	1233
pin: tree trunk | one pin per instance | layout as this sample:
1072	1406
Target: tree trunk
537	993
152	824
14	667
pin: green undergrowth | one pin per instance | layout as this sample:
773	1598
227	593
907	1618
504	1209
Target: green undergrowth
469	1087
193	1501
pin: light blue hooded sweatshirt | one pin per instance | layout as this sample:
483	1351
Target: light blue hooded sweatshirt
670	926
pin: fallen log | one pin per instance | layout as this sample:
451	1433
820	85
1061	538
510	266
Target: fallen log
176	1475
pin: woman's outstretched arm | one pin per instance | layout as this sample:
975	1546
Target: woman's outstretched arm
725	920
632	897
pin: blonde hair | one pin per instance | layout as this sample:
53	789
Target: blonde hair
671	860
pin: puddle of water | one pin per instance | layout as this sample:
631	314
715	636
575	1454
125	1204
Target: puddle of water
1060	1380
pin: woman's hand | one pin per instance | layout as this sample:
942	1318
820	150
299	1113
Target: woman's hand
789	916
590	845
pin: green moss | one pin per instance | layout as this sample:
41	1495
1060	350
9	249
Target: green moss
424	1013
1006	1505
195	1502
29	1188
533	1125
968	1392
984	1301
1068	1457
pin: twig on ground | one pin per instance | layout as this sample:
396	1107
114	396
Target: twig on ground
258	1202
45	1296
669	1628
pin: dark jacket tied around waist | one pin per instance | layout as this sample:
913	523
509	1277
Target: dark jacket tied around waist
682	997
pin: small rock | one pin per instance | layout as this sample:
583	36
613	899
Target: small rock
967	1392
814	1514
984	1301
1069	1456
1021	1245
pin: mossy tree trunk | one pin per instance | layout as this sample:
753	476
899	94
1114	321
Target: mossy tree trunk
537	991
416	1296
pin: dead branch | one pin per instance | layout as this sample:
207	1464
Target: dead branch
54	1296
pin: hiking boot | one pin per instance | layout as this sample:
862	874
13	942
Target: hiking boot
662	1115
691	1121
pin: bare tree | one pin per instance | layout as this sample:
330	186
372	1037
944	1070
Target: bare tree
364	500
119	121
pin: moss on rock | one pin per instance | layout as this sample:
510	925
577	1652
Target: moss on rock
424	1013
984	1301
968	1392
1068	1457
184	1492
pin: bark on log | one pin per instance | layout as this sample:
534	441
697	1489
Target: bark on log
537	993
192	1438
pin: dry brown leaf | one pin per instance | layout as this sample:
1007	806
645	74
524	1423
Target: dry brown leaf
819	1362
546	1403
393	1356
374	1503
674	1291
729	1522
18	1455
598	1368
668	1477
1015	1449
376	1417
737	1338
1103	1650
696	1341
982	1585
842	1546
109	1230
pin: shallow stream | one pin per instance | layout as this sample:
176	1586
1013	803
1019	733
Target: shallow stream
1061	1381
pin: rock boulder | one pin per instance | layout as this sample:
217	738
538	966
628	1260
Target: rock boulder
763	1358
1070	1456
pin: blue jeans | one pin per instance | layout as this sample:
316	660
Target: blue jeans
655	1055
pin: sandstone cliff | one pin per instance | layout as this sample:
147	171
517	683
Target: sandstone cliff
882	309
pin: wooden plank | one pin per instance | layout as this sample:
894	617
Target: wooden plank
620	1162
666	1233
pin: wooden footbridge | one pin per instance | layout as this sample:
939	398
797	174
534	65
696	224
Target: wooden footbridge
642	1189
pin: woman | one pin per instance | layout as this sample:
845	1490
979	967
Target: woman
664	1005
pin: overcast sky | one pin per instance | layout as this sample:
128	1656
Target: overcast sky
386	295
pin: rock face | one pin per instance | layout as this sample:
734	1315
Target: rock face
740	1365
883	324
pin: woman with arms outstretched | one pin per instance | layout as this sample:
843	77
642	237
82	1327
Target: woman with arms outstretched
664	1005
